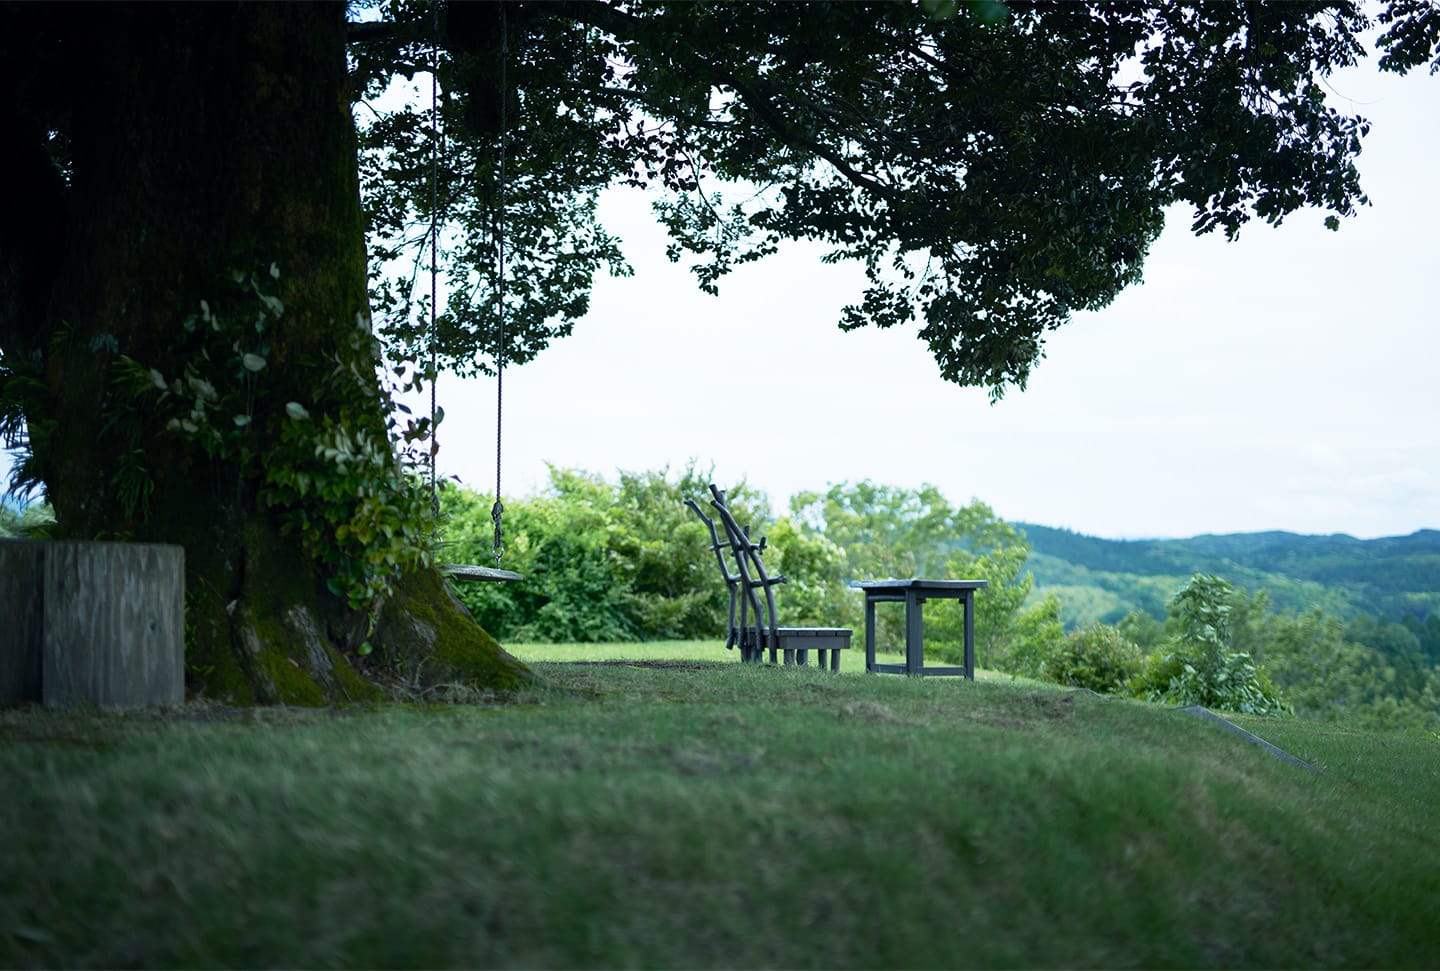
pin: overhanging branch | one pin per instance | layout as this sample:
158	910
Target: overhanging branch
762	98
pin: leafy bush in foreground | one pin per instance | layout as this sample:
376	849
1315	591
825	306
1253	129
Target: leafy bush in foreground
1097	657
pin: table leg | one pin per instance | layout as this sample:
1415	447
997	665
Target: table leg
914	634
869	634
969	601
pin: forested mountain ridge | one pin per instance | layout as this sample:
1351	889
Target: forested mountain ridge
1104	579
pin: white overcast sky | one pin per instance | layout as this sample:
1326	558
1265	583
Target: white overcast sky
1284	381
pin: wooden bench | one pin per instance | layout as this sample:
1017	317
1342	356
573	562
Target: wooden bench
794	644
752	594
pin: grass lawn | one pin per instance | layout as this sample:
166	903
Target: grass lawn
716	815
852	661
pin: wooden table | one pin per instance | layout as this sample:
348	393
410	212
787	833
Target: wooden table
913	594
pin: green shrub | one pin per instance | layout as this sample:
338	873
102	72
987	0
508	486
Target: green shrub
1097	657
1202	667
1229	681
1032	636
815	570
601	561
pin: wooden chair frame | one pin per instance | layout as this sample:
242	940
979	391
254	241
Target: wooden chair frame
752	593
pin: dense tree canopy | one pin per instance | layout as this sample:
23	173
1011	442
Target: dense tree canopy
994	167
185	326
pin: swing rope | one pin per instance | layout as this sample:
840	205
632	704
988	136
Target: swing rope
497	511
434	243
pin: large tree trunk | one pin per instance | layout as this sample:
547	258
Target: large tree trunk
210	144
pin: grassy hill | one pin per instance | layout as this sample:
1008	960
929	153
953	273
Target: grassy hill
1103	579
714	815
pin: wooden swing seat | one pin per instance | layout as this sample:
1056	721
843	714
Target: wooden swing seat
478	574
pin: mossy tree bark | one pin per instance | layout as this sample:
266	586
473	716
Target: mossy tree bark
172	150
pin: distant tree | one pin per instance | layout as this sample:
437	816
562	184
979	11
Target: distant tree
816	570
1011	633
1397	644
1328	673
890	531
663	552
1142	629
1203	665
1321	673
564	543
1427	633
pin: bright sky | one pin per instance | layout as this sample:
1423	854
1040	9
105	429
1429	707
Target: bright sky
1284	381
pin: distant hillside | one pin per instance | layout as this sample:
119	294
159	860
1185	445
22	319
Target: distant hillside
1103	579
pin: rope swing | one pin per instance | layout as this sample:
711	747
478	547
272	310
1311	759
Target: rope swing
434	241
497	511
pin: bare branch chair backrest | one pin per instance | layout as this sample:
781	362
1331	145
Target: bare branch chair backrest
752	594
732	580
756	591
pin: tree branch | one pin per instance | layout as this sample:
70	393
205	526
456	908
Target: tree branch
357	32
761	97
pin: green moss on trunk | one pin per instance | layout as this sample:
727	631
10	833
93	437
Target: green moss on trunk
434	640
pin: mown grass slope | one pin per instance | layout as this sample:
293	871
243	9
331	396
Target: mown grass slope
714	815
